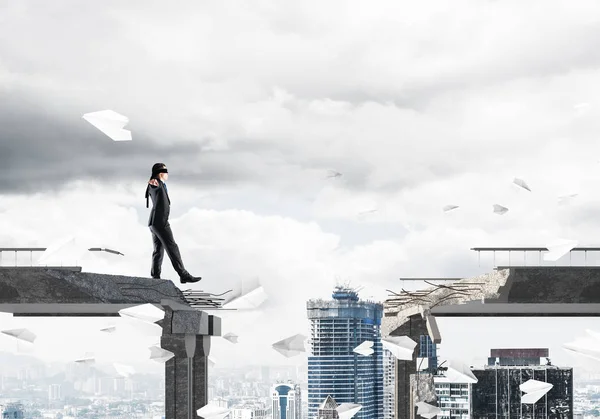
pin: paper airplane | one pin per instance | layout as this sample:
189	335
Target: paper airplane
534	390
21	334
291	346
565	199
427	411
577	348
402	347
448	208
210	411
109	329
145	312
348	410
231	337
593	334
522	184
530	386
460	373
211	361
159	354
333	173
124	370
559	248
110	123
131	326
249	297
365	348
88	360
371	291
499	209
72	248
362	213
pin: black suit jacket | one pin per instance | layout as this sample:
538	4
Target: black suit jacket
161	204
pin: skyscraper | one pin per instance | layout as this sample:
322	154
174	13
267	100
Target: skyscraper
334	369
453	398
287	402
389	385
497	392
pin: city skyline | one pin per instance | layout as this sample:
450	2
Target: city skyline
302	147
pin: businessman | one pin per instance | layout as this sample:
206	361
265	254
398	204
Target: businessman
162	236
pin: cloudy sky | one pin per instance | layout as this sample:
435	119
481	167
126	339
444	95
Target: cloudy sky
252	104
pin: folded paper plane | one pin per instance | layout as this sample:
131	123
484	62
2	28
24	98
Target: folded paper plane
522	184
124	370
210	411
88	360
448	208
402	347
593	334
534	390
146	312
586	351
291	346
365	348
109	329
131	326
559	248
21	334
248	296
110	123
67	250
499	209
348	410
460	373
231	337
566	199
159	354
427	411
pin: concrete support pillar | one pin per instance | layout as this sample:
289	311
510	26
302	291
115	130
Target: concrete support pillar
414	327
186	333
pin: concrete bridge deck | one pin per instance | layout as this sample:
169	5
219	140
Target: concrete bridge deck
526	291
58	291
67	291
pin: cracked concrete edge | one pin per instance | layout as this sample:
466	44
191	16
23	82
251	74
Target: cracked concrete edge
492	283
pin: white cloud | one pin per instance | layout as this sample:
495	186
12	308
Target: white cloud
418	107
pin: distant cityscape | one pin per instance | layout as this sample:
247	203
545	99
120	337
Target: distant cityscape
334	375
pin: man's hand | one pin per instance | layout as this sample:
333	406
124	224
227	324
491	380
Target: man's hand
153	182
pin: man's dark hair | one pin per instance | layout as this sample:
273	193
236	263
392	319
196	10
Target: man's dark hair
156	169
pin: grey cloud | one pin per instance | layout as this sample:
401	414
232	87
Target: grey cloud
43	150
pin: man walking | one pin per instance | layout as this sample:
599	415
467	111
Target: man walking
162	236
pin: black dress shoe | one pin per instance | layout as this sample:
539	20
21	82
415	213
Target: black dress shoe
189	278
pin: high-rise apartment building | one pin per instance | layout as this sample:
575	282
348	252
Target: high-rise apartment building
497	393
54	392
389	385
454	399
334	369
286	401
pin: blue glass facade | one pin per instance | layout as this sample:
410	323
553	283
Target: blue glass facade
283	391
427	349
337	327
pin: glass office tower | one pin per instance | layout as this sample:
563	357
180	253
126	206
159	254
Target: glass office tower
337	327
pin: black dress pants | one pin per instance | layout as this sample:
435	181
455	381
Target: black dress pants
162	237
